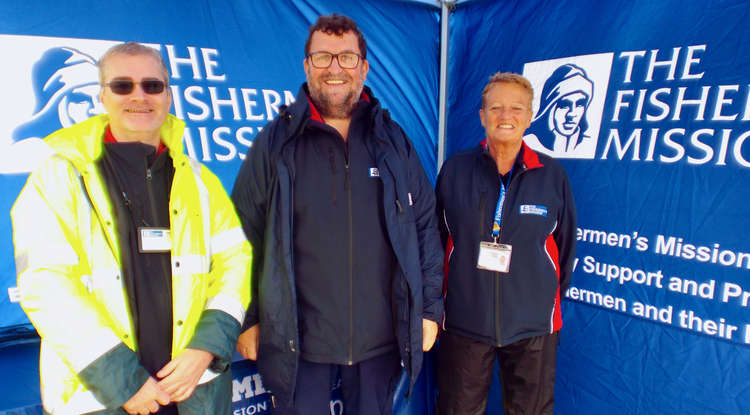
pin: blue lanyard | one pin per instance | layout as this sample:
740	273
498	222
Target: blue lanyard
499	209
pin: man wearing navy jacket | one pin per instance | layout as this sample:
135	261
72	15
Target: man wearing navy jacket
348	255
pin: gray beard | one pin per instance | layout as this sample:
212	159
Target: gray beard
337	111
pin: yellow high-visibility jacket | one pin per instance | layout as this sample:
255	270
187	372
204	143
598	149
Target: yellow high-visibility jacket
69	273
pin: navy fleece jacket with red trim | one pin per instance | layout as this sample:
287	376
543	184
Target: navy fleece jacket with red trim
539	222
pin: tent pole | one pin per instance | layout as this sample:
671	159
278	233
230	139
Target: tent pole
446	7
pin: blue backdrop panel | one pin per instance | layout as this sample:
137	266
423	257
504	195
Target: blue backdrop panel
646	104
19	384
231	65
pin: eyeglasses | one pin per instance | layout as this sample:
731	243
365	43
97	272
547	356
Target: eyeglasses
346	60
126	86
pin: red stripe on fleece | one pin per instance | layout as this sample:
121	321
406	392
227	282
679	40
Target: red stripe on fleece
551	248
446	269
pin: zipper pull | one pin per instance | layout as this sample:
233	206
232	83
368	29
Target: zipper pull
400	208
148	174
126	201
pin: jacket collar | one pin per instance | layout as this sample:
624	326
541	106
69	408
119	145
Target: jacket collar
315	114
529	158
110	138
82	142
302	111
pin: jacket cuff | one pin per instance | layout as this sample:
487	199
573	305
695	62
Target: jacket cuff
434	312
432	304
251	317
115	376
217	334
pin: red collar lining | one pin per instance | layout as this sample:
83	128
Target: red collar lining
110	138
530	157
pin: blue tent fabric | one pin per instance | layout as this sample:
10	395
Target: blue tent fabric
651	324
27	410
656	320
232	64
19	384
258	49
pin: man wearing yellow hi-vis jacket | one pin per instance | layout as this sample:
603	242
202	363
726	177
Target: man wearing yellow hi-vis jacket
131	261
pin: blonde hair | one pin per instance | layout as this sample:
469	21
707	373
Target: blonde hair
507	78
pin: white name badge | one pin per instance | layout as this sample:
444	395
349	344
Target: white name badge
154	240
494	257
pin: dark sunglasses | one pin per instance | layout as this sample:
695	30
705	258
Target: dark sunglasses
126	86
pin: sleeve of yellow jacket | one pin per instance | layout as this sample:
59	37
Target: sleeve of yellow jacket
52	236
228	281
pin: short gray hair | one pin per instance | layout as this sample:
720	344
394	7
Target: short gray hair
131	49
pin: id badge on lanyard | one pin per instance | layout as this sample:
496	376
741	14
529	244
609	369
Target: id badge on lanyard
152	240
492	255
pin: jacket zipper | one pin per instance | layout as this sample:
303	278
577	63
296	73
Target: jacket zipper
495	281
347	186
155	215
498	327
150	190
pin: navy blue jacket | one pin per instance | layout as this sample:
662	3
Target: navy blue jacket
263	196
539	222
